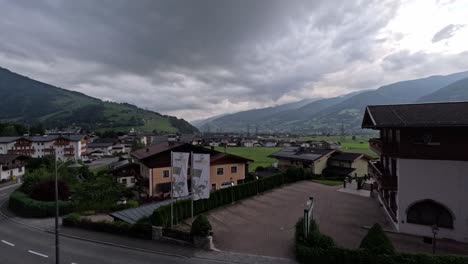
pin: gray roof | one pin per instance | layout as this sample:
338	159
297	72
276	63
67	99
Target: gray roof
99	145
132	215
45	138
299	153
417	115
8	139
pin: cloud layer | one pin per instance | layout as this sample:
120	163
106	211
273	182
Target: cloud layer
196	59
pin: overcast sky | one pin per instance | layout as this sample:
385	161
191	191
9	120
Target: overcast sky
196	59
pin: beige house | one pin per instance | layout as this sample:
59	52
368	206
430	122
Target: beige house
329	162
155	165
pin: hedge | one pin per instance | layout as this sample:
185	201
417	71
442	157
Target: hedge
306	253
142	229
23	205
182	208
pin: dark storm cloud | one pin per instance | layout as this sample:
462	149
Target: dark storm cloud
446	33
188	57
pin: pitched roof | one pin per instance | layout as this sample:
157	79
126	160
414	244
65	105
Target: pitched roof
417	115
153	150
338	171
5	158
299	153
346	156
45	138
8	139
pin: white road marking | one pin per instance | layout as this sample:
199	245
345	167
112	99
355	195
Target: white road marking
8	243
39	254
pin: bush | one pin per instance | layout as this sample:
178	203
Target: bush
23	205
377	242
45	191
308	251
201	226
314	239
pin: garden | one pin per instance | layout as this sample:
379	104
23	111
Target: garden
79	190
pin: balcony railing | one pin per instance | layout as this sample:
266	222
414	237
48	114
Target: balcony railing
376	145
383	177
71	149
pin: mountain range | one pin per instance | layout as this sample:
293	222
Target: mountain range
29	101
331	115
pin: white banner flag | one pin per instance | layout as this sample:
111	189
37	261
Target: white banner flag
201	176
179	174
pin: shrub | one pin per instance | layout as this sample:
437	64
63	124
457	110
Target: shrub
23	205
71	219
201	226
307	253
259	168
377	242
45	191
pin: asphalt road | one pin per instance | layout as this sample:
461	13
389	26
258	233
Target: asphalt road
21	244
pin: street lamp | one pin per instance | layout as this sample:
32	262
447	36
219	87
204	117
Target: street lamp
232	192
435	230
74	165
256	184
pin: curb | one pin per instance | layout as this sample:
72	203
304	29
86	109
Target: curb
89	240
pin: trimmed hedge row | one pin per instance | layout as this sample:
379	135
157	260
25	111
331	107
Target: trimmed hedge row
142	229
182	208
21	204
307	253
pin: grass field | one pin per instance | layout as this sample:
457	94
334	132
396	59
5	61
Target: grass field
358	145
258	154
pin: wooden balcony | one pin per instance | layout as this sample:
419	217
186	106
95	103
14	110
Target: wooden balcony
70	149
22	151
383	177
376	145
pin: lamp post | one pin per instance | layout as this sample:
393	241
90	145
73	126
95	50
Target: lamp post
435	230
75	165
256	179
232	192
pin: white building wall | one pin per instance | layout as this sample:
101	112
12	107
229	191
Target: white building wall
445	182
7	174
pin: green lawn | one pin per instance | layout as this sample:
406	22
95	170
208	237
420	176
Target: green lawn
359	145
328	182
258	154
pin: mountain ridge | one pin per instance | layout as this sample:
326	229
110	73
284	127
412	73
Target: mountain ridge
331	114
26	100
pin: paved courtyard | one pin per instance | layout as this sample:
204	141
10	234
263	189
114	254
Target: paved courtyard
264	224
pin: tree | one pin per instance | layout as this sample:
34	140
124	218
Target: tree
45	191
377	242
99	193
201	226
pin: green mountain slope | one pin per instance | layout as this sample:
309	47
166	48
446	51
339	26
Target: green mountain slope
329	115
28	101
457	91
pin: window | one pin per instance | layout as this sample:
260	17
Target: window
132	180
233	169
165	173
124	181
213	186
20	169
219	171
429	212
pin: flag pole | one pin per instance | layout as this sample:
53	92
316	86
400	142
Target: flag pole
172	194
191	181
